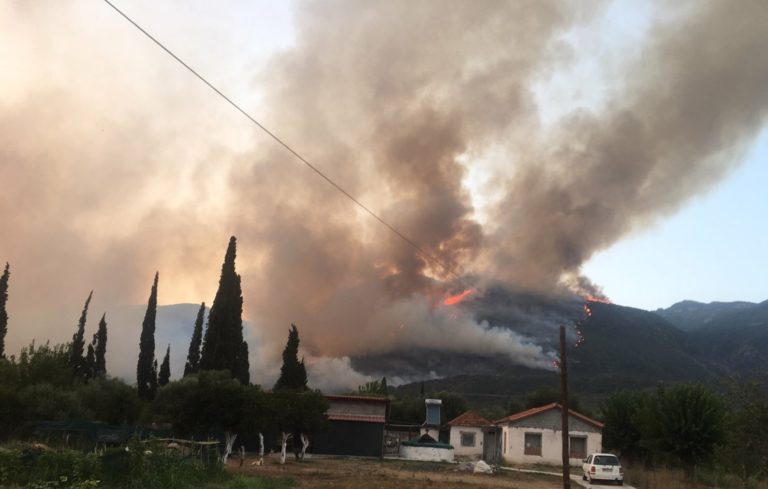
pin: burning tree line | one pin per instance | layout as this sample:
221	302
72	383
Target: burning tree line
214	395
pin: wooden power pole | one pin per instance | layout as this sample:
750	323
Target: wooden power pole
564	410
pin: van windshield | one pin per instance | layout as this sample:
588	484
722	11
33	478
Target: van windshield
606	460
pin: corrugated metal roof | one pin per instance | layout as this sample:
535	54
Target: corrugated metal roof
469	418
361	418
358	398
542	409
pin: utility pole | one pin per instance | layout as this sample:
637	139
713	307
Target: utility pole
564	410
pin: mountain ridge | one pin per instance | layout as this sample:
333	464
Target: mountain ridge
614	347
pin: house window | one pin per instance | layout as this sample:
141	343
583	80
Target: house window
578	447
467	439
533	444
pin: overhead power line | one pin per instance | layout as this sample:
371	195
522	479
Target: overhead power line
285	145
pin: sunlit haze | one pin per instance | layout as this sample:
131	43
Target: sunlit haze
614	148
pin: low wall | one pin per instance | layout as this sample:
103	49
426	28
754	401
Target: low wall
426	453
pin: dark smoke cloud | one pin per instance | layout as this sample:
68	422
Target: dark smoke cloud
386	97
111	171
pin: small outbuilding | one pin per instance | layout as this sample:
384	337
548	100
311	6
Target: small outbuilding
468	435
356	427
427	447
535	436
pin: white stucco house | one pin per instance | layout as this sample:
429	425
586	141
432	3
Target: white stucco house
467	435
535	436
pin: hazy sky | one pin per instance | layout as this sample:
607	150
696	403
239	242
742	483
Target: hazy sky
583	145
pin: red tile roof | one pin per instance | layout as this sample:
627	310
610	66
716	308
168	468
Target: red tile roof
470	418
542	409
361	418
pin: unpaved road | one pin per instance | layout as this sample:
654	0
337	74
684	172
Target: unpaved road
577	479
340	473
602	485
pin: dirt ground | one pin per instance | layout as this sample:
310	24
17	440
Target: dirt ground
342	473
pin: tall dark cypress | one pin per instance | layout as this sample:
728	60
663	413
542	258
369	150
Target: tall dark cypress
76	359
193	356
165	369
100	348
153	379
146	379
293	373
3	311
89	365
223	345
243	366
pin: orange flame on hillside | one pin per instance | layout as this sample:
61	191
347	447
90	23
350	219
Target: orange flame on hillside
594	298
455	299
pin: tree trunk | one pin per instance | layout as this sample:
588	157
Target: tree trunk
304	445
261	448
229	442
286	437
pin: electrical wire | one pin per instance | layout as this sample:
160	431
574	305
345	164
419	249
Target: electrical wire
290	149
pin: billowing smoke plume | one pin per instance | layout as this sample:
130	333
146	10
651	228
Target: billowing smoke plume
690	104
114	163
386	98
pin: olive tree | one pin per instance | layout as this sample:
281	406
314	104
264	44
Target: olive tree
684	423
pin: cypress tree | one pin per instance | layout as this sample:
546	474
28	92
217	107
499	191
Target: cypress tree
100	348
193	357
153	379
76	359
293	374
89	365
145	378
223	345
165	369
3	312
243	367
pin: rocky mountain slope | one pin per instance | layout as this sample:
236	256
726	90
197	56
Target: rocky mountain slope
732	338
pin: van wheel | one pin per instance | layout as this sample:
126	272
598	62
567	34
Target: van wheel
619	483
583	477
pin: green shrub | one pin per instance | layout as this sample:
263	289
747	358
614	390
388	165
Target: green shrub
45	401
110	401
142	466
149	466
11	410
38	467
11	467
73	466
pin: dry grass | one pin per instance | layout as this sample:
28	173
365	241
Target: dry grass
341	473
676	479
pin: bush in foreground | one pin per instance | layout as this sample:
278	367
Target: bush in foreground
141	466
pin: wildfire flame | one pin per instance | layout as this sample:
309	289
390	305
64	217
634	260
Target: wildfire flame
594	298
455	299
